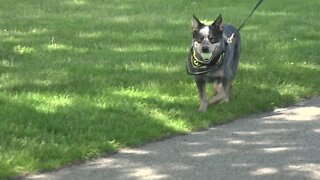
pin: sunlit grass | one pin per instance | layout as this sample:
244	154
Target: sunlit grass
81	78
22	50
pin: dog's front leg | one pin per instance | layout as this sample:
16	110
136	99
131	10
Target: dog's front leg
201	84
219	90
222	89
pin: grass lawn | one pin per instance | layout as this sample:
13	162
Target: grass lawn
81	78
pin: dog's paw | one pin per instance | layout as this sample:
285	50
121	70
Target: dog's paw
218	99
203	108
215	100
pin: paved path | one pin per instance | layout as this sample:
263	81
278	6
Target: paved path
284	144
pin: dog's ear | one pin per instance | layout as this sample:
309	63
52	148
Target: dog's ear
196	24
218	24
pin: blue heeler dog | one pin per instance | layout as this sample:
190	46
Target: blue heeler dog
214	58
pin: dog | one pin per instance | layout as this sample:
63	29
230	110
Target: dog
214	58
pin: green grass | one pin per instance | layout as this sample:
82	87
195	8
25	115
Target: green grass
81	78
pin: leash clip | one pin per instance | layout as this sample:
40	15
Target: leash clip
230	39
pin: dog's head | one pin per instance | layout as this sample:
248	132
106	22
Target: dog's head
207	38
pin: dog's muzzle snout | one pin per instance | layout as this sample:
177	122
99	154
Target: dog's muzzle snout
206	55
205	49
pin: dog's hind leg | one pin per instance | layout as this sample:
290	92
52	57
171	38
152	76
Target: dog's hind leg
227	85
201	84
227	91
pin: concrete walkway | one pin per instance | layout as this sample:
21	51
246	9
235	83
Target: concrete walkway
283	144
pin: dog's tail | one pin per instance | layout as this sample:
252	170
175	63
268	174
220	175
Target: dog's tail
245	21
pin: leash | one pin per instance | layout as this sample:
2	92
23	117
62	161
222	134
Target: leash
245	21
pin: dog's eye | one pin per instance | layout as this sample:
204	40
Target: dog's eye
211	39
199	38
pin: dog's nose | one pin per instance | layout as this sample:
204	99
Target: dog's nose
205	49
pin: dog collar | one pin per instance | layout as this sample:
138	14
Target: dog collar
198	61
195	65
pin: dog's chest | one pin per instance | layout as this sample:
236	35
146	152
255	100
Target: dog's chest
212	75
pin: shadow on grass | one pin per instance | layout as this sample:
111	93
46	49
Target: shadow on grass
36	139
